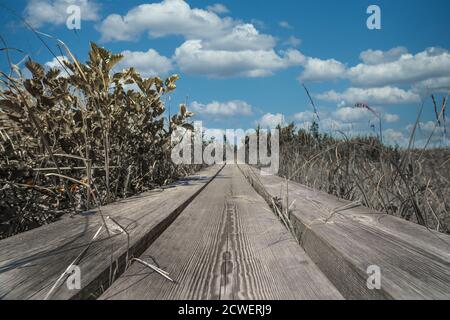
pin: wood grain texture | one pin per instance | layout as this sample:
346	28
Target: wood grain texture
31	262
226	244
414	261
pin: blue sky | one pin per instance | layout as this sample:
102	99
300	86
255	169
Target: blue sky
243	62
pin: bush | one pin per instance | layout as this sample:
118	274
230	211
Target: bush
81	136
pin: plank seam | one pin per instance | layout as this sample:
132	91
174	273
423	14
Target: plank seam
98	285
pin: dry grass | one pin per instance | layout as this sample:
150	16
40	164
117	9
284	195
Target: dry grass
81	137
412	184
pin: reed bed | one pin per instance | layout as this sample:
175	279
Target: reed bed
413	184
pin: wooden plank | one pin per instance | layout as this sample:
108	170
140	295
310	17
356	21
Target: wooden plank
32	262
414	262
226	244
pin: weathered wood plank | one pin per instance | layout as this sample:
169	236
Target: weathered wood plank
414	261
31	263
226	244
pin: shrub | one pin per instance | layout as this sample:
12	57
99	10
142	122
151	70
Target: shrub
81	136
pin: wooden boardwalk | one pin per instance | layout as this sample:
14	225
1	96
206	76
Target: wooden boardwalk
31	263
217	237
227	244
345	239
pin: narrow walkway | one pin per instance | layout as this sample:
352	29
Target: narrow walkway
227	244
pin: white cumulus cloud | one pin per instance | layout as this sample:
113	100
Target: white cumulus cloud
402	69
423	72
242	37
218	8
40	12
304	116
318	70
371	96
149	63
395	137
433	85
169	17
192	57
390	118
214	46
375	57
351	114
222	109
270	120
